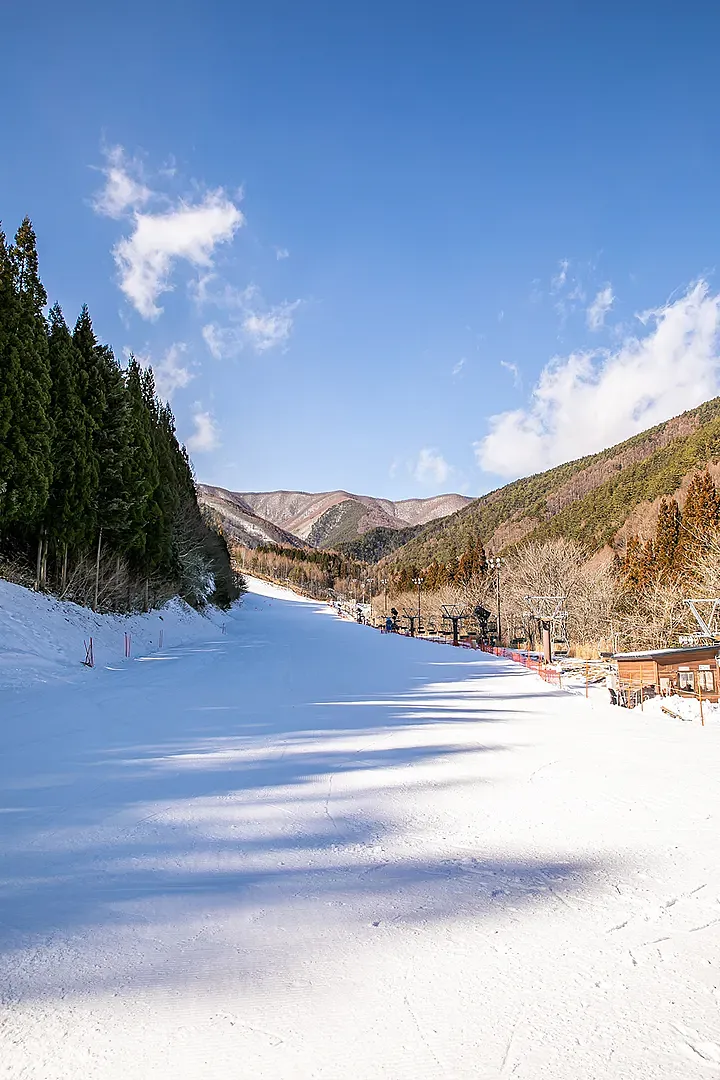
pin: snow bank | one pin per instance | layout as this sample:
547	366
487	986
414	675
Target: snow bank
687	708
42	639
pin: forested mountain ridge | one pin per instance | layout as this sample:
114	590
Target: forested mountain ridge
590	500
97	496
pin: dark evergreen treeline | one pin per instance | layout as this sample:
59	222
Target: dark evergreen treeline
97	497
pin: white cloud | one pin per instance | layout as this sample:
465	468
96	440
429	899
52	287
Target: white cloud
181	230
219	342
514	371
281	253
252	323
459	366
146	257
599	308
124	189
431	467
206	435
267	329
170	374
587	401
560	278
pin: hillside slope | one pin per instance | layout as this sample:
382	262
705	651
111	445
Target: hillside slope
239	522
596	499
328	518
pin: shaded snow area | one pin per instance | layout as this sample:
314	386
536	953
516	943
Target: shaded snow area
307	849
44	640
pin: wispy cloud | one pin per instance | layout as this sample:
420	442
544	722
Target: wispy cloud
267	329
459	366
252	323
170	373
514	371
158	240
124	188
558	281
431	467
590	400
206	434
599	308
281	253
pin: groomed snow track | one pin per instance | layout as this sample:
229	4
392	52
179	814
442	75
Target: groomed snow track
303	849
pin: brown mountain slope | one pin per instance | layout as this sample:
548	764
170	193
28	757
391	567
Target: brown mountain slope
327	518
239	522
596	499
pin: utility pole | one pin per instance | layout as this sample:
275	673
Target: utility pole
495	562
383	582
418	581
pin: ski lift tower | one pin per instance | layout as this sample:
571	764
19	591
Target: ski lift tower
706	612
412	619
454	614
549	613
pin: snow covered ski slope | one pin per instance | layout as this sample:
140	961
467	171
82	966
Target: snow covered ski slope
303	849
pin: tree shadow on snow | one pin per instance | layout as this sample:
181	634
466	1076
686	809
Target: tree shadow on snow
247	798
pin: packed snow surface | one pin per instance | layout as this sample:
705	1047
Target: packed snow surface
305	849
45	640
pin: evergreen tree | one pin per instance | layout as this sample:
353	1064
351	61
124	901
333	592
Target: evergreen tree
142	471
114	495
70	507
28	388
700	518
648	567
9	369
667	536
164	501
93	397
632	570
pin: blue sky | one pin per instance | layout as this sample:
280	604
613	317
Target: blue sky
399	248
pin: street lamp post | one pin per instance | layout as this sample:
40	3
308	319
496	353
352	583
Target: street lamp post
383	582
418	581
495	564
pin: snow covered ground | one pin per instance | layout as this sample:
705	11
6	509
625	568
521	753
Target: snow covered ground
44	640
306	849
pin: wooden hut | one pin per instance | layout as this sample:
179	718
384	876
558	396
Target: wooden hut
688	670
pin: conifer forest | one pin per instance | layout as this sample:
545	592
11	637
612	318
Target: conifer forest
97	496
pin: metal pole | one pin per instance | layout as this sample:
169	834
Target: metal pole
497	582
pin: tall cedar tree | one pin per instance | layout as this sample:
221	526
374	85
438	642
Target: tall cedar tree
164	500
114	495
93	395
632	564
71	504
667	536
700	518
9	370
28	388
142	470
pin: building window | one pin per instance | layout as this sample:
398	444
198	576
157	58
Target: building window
706	680
686	680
